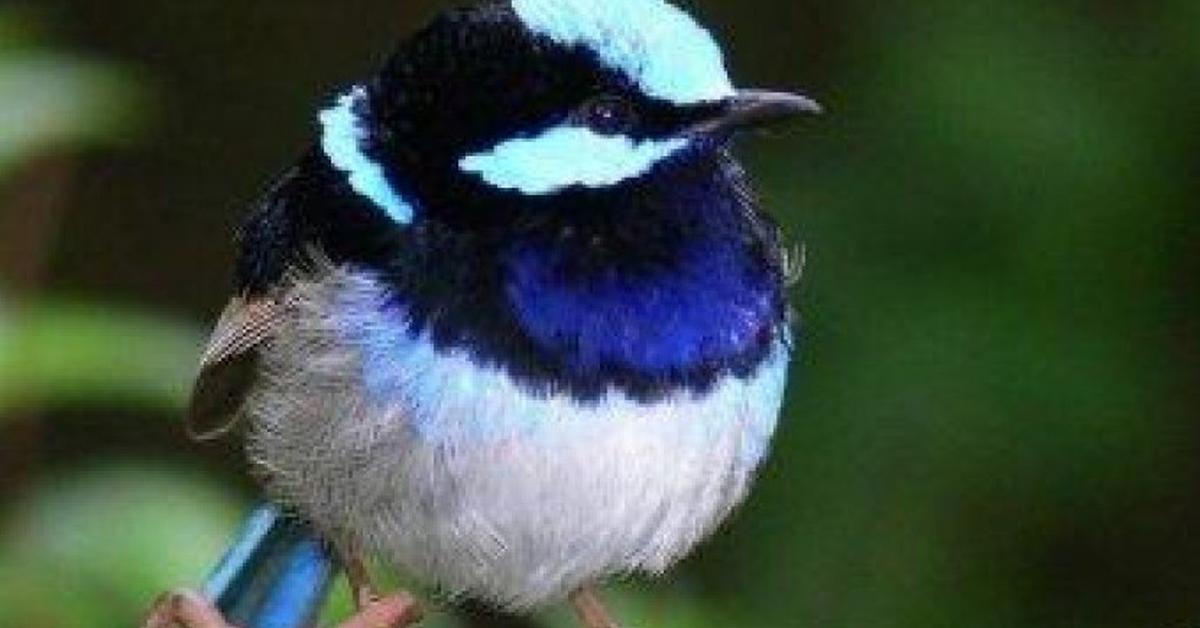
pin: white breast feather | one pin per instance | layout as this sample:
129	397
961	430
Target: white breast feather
460	477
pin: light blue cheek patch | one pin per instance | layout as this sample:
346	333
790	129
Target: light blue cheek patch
655	44
342	137
568	156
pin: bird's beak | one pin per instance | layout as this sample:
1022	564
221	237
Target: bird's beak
754	108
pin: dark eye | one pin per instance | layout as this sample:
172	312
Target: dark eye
608	115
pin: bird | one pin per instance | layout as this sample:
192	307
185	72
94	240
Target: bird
515	323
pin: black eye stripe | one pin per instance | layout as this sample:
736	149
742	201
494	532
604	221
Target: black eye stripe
659	119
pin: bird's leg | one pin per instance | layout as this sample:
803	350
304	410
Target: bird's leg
591	610
394	611
361	588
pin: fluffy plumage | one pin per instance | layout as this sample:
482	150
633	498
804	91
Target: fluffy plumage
457	474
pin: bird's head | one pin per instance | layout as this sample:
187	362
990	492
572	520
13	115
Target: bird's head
543	111
546	184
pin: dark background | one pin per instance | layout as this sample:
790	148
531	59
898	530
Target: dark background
993	419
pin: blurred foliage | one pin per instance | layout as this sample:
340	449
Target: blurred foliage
56	99
52	99
94	546
658	606
62	353
993	420
90	547
994	423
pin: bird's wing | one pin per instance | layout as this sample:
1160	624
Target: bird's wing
229	364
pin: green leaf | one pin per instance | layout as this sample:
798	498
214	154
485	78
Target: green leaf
66	353
54	99
95	548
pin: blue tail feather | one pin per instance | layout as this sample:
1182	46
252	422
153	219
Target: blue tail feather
276	574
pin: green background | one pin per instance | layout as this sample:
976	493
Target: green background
993	421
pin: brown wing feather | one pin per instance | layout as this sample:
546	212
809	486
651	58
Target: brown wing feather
229	366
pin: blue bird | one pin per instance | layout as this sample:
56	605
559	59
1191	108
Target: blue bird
514	325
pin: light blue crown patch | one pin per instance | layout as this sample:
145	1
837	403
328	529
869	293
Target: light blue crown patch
342	138
655	44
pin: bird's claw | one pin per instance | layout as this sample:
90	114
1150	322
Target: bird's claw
590	609
394	611
184	608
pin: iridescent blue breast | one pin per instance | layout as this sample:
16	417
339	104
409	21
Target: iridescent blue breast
710	305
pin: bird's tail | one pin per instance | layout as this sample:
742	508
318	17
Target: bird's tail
276	574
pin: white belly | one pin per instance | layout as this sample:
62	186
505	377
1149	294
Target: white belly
467	481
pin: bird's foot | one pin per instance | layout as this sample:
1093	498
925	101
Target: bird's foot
188	609
591	610
184	608
394	611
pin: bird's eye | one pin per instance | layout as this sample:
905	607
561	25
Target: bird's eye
608	115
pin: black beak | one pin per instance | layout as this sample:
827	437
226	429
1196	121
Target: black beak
754	108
